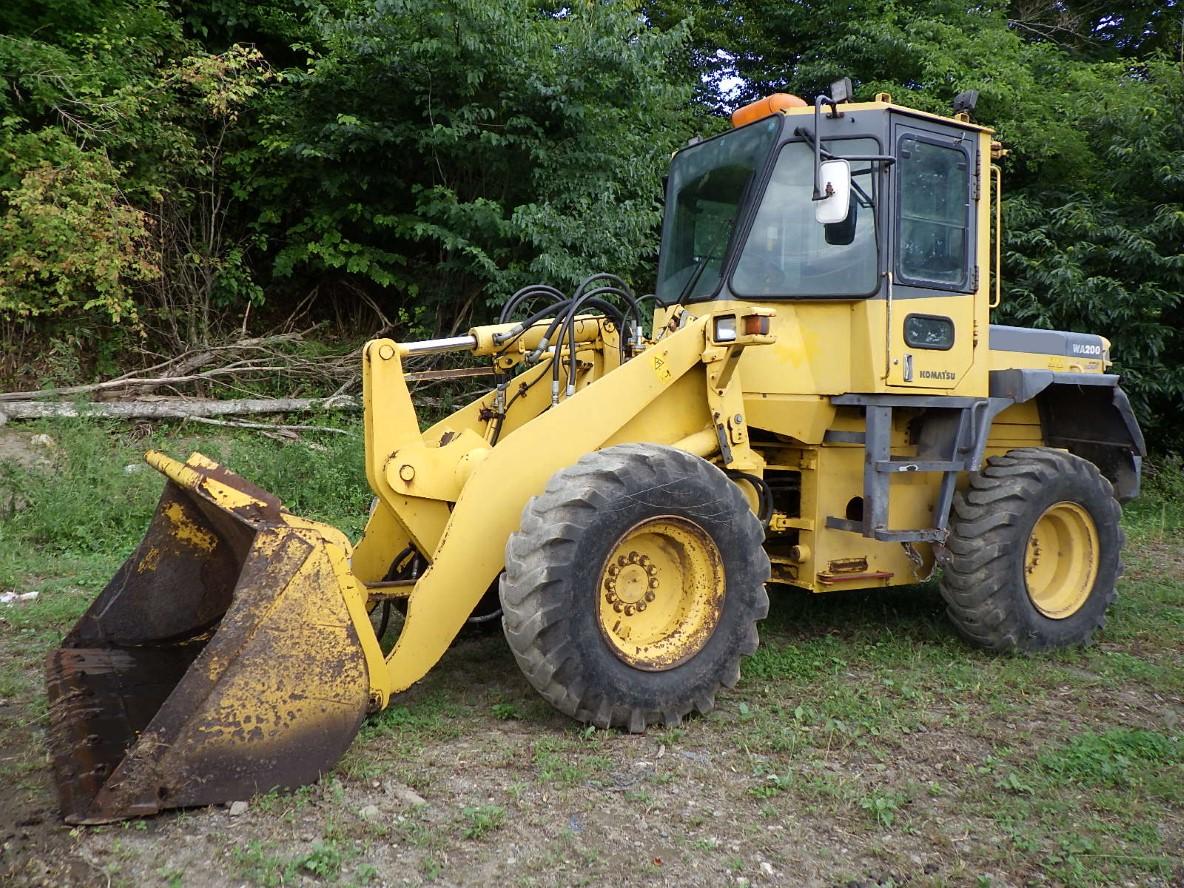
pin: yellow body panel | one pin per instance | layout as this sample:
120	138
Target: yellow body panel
1004	360
470	552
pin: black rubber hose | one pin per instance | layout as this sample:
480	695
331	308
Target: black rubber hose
764	494
526	293
386	619
580	299
615	284
591	299
609	310
392	572
555	308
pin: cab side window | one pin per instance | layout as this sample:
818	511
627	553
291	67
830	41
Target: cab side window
933	215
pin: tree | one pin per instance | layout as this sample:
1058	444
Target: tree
112	200
444	153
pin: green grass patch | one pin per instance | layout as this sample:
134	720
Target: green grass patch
1160	506
91	494
802	661
565	761
1120	756
482	819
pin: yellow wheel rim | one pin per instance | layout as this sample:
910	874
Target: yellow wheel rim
1061	561
660	593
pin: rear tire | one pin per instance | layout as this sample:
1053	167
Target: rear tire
1034	552
634	586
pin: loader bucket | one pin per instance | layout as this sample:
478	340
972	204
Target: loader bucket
223	659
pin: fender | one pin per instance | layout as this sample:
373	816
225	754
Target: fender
1087	414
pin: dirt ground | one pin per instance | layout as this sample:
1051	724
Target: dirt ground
472	782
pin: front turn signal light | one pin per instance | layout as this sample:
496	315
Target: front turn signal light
756	325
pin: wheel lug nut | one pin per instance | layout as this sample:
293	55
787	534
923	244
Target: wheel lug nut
617	606
650	596
628	610
653	583
641	605
621	562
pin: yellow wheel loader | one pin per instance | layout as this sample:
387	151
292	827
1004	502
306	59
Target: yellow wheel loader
815	398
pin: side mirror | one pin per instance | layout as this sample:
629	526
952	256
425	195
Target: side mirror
843	233
834	179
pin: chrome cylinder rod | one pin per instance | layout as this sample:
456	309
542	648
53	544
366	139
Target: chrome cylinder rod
437	346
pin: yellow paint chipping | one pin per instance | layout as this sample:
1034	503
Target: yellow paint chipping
186	531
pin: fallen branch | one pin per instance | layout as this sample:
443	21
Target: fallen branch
172	408
178	370
268	426
440	375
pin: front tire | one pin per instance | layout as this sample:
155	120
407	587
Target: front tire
634	586
1034	552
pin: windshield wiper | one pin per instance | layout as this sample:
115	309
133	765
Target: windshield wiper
700	267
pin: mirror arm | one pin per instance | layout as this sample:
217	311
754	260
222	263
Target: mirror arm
817	140
820	152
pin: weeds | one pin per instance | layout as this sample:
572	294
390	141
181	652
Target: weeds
1119	757
261	865
482	819
505	711
882	806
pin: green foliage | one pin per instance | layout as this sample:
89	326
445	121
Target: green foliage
72	242
324	859
882	806
456	149
482	819
506	711
261	865
1102	247
1118	756
113	201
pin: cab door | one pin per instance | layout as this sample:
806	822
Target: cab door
933	261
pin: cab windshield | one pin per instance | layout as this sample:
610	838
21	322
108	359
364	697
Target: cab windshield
709	183
788	253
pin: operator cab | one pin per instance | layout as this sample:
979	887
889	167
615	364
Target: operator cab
743	208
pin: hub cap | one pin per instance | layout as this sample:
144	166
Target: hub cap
660	593
1061	561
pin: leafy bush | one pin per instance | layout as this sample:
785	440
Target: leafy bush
71	241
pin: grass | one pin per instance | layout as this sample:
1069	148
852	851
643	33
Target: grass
482	819
264	866
862	722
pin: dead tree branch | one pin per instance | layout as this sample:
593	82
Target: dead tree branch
172	408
